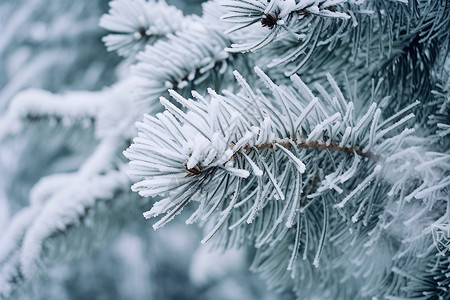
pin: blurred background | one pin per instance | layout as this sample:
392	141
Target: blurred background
56	46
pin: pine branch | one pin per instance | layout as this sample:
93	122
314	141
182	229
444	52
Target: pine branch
262	138
249	159
69	224
288	20
102	111
35	106
333	146
58	222
403	65
369	29
67	221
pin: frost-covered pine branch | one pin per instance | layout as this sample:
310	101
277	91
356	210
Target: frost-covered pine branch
70	213
278	172
67	223
330	160
305	25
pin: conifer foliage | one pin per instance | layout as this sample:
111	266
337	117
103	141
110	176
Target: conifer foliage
315	132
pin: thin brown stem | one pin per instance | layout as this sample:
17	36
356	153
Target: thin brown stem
333	146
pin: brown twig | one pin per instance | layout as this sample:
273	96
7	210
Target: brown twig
334	146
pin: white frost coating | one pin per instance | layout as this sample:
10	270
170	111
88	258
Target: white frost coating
265	132
47	186
65	209
199	147
351	171
360	186
238	172
394	126
69	108
287	19
110	109
256	170
364	121
412	164
244	140
273	180
186	58
137	22
318	130
297	162
428	192
158	208
330	183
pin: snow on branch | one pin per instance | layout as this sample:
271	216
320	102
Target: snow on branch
183	62
72	221
103	110
34	106
139	22
71	213
277	13
67	215
10	272
72	207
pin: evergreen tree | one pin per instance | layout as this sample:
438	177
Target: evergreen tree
313	132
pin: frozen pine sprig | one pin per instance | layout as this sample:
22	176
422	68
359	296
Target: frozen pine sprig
233	133
136	23
307	23
278	13
363	31
63	219
257	161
